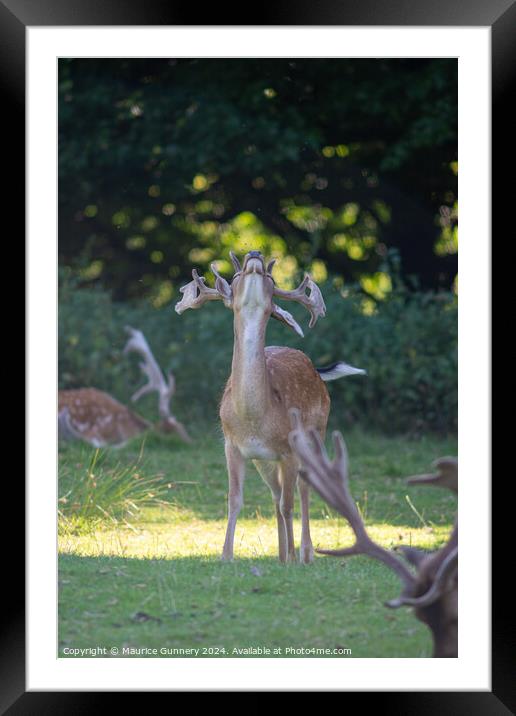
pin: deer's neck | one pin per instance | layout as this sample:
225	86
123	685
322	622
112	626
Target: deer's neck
249	378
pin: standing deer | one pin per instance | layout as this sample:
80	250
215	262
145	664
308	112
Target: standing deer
97	418
432	588
263	385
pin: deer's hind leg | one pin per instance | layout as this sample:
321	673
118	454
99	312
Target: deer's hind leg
269	471
306	552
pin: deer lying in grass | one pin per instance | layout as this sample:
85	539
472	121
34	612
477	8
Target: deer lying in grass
263	385
432	588
97	418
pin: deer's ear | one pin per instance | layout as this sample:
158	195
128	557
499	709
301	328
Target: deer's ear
224	289
285	317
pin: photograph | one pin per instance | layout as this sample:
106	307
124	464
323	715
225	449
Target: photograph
255	355
232	486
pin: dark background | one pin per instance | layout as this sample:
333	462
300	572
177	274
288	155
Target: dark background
158	156
346	168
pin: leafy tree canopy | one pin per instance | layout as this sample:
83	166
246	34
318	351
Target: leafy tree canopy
332	165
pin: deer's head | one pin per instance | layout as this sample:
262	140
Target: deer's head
252	289
433	593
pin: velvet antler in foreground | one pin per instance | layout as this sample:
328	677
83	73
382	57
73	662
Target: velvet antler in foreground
432	588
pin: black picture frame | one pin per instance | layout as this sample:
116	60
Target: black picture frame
500	16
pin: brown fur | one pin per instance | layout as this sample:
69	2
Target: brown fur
293	382
98	418
441	617
264	384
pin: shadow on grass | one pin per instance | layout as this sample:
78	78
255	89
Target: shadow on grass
193	603
197	476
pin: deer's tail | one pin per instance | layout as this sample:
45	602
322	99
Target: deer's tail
339	370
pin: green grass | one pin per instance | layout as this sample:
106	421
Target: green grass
145	572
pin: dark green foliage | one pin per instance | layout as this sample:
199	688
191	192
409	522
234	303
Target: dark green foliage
267	137
408	347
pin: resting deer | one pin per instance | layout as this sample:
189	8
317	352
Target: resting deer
97	418
263	385
432	588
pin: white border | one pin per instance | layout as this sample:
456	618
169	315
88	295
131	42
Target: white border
471	671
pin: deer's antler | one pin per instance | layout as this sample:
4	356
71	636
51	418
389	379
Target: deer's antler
446	475
313	300
137	343
235	262
444	564
287	318
196	293
330	480
308	294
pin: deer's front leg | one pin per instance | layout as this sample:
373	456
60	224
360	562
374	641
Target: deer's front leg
236	474
288	476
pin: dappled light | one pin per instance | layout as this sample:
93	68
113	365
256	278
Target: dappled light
331	162
309	208
179	534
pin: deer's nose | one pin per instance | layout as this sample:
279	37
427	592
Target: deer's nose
253	262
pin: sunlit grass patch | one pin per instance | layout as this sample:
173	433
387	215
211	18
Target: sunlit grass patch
152	577
254	538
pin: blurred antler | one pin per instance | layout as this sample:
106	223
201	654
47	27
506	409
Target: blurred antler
137	343
330	480
432	588
444	564
446	476
236	263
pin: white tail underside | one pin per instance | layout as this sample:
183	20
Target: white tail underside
339	370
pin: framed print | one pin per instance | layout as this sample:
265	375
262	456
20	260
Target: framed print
321	158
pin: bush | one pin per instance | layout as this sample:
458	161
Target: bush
408	347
